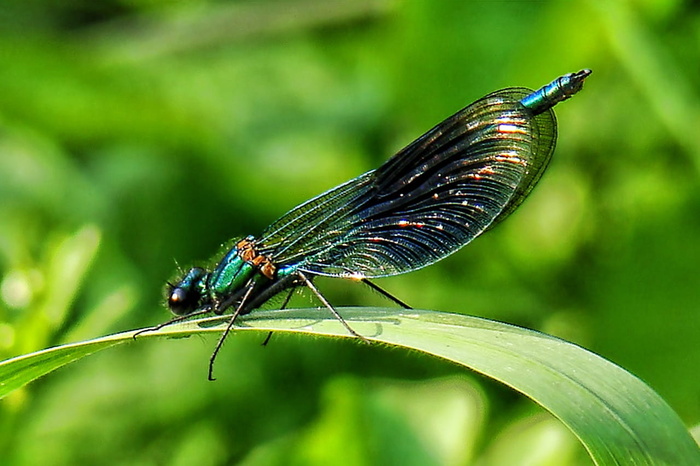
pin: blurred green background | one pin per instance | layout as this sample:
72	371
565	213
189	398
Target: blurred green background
137	133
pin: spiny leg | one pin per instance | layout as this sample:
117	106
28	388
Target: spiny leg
288	298
172	321
228	329
284	306
385	293
267	339
321	298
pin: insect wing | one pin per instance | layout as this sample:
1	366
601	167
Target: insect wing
544	140
427	201
316	225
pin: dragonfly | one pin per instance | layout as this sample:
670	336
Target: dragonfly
458	180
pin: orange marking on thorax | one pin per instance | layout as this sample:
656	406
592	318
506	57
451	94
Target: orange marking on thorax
246	251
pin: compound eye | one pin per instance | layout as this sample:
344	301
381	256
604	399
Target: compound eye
180	302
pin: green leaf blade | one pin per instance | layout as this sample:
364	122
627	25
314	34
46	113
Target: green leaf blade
616	416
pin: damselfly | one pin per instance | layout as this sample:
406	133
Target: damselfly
456	181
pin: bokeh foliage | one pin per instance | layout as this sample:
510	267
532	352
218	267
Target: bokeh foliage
136	132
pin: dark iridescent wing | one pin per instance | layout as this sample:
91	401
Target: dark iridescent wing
325	216
426	202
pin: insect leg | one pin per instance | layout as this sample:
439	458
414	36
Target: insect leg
286	300
321	298
174	320
385	293
220	343
266	292
284	306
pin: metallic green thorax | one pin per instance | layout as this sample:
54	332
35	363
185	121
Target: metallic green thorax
229	275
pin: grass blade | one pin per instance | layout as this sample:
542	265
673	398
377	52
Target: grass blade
616	416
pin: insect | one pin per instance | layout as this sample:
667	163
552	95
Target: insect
447	187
